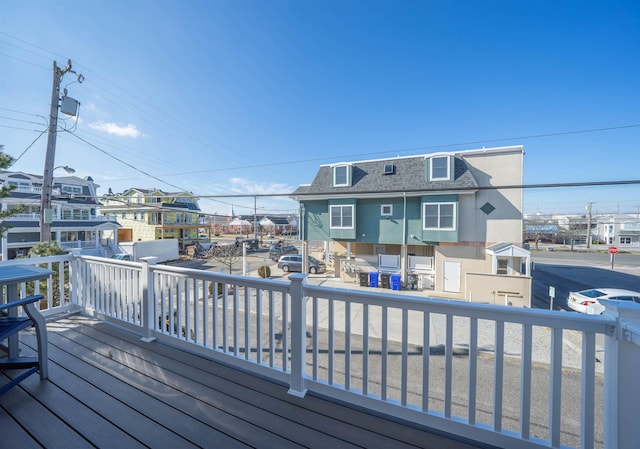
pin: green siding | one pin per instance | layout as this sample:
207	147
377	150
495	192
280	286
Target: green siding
315	220
377	228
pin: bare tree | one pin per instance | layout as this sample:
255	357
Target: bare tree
534	228
227	254
572	230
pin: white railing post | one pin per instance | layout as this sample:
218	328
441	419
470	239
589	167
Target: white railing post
621	365
298	336
75	279
148	297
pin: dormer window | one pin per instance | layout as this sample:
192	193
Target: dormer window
341	175
439	168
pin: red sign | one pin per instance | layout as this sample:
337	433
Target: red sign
613	250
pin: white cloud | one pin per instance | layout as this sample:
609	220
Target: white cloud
129	130
242	185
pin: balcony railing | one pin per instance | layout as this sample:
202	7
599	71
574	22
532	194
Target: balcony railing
377	350
36	217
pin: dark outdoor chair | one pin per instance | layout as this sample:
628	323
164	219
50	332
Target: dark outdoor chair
11	325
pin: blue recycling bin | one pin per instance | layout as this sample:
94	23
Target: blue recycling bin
394	280
373	279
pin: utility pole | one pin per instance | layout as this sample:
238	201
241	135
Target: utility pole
589	224
46	214
255	218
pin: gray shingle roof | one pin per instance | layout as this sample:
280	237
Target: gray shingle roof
409	175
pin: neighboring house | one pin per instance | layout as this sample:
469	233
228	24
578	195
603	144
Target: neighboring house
574	229
277	225
443	216
622	230
240	225
75	222
151	214
213	224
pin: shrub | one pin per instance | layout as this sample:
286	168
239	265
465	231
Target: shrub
264	271
211	289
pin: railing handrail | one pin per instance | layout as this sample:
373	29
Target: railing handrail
536	317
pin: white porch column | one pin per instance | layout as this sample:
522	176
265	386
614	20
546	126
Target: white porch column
622	363
148	298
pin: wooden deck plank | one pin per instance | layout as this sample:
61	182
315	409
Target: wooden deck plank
155	395
217	407
353	426
40	423
143	410
246	387
13	434
94	427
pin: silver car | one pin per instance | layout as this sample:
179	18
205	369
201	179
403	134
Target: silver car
293	262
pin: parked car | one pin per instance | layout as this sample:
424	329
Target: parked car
293	262
276	251
122	256
588	301
252	244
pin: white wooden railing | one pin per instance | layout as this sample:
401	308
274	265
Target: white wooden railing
388	352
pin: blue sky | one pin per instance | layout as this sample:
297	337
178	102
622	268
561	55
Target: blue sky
250	97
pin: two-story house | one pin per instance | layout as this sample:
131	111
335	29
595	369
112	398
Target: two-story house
453	218
152	214
75	219
621	230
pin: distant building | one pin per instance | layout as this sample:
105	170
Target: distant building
622	230
152	214
75	220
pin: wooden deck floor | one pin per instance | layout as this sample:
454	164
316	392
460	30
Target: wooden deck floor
108	389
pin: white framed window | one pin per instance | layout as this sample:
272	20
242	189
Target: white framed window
439	168
625	240
439	216
71	189
341	216
20	185
386	210
503	266
341	175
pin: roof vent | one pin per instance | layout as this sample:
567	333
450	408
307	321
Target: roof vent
389	169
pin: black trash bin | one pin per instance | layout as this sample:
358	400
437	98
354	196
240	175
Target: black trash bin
384	280
364	278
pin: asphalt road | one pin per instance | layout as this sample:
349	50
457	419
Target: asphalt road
573	271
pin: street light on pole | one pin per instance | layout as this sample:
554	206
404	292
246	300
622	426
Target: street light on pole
70	108
66	168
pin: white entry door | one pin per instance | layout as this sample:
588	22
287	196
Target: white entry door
451	274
